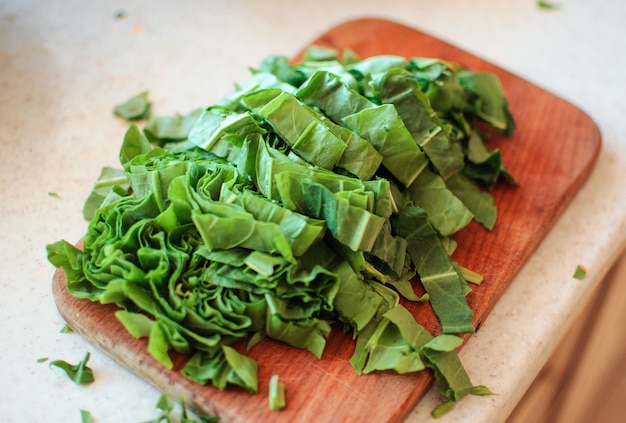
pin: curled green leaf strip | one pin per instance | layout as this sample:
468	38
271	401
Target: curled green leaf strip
79	373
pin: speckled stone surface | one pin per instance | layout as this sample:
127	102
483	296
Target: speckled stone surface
65	64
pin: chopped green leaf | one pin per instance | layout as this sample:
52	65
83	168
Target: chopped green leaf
580	273
481	390
446	212
158	345
480	204
55	195
137	324
547	5
119	14
165	404
385	130
66	329
79	373
276	394
443	408
223	367
391	343
171	128
137	107
471	276
86	416
167	408
42	359
111	184
447	406
445	285
491	104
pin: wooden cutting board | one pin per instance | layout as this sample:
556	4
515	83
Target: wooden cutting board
551	154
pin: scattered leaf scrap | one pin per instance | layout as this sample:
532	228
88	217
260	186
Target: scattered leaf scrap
580	273
79	373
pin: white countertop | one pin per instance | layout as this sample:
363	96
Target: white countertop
65	64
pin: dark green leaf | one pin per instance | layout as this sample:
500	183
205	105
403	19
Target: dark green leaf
446	212
444	285
479	203
492	105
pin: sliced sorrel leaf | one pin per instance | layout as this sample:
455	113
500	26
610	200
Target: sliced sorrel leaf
444	285
171	128
135	108
86	416
580	273
384	129
224	367
446	212
79	373
276	394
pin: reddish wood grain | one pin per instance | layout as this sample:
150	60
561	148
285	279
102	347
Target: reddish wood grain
551	154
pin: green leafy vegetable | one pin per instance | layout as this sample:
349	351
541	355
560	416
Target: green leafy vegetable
313	193
386	131
480	204
448	405
446	212
137	107
490	102
111	184
547	5
170	128
166	407
79	373
276	394
66	329
119	15
224	367
441	279
580	273
86	416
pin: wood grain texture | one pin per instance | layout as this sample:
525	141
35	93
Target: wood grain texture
551	154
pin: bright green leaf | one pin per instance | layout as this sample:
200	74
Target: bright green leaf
580	273
276	394
79	373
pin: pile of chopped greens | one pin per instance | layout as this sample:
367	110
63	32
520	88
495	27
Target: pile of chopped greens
312	194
